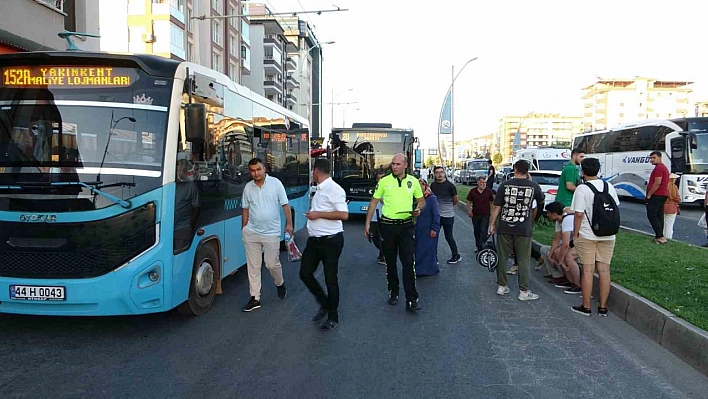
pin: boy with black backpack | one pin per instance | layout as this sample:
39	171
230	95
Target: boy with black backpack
597	221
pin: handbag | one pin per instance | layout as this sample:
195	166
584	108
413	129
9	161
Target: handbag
488	256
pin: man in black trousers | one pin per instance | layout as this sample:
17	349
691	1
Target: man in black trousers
324	226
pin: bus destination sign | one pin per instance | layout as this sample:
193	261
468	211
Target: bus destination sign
372	137
66	77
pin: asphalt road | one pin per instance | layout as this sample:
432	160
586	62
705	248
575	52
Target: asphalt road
466	342
634	215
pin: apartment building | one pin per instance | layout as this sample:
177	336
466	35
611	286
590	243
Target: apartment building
609	102
701	109
271	63
536	129
48	18
168	28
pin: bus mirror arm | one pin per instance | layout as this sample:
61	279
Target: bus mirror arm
693	141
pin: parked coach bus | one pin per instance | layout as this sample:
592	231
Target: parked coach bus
359	152
624	151
121	179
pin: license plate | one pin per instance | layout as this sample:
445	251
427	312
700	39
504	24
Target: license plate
37	293
364	208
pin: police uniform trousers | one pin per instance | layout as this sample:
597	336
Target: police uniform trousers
397	236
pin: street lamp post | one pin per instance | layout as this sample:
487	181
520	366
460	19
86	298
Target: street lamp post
452	111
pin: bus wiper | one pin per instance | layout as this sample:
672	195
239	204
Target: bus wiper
90	185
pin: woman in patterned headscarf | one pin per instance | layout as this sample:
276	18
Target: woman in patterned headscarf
427	227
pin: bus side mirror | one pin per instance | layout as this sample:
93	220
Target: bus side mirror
195	123
693	141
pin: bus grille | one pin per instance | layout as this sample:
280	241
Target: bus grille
90	250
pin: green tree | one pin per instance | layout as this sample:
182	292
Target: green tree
497	159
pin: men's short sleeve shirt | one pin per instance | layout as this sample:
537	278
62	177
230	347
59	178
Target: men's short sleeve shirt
515	197
264	206
662	171
398	195
445	191
571	174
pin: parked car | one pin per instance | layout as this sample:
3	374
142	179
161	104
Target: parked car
502	172
548	180
456	176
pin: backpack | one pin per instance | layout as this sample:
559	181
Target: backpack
605	212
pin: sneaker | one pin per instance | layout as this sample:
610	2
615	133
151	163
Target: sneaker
252	305
454	259
567	284
282	291
527	296
580	309
602	311
329	325
381	261
574	290
412	306
503	290
513	270
393	300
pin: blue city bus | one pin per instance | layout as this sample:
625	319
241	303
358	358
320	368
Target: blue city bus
360	152
121	179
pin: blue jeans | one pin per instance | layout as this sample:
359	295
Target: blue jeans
446	224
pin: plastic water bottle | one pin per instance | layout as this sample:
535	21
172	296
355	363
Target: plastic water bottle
287	237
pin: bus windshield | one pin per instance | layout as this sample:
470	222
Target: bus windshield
107	123
698	157
363	158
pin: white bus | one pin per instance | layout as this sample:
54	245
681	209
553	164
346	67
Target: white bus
624	151
544	158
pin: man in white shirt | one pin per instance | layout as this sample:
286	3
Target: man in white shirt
324	226
562	251
263	198
592	249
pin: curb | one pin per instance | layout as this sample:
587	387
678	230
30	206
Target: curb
676	335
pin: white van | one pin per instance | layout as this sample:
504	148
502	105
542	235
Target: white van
544	158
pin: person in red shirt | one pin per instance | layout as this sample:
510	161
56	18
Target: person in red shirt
479	202
657	192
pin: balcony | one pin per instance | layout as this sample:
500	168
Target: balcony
292	65
167	9
272	86
270	39
245	66
292	99
269	62
291	82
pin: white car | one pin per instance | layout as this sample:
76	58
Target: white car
548	180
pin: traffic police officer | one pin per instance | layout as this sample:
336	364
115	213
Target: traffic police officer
398	190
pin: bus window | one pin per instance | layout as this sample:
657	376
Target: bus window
678	154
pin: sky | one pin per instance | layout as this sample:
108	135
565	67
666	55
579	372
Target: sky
394	58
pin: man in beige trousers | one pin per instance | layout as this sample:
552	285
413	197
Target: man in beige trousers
263	198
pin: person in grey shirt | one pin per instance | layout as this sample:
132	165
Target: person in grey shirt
447	199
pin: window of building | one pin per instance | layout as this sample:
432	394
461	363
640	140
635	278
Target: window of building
621	104
243	52
270	97
621	115
217	5
190	52
216	32
233	72
233	21
232	46
190	21
216	62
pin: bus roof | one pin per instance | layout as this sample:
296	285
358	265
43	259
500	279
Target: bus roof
370	129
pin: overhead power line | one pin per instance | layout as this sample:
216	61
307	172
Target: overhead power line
272	14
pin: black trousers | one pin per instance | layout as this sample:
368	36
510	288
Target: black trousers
376	237
655	214
326	251
481	229
447	224
398	240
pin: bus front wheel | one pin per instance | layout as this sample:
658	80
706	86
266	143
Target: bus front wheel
202	289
